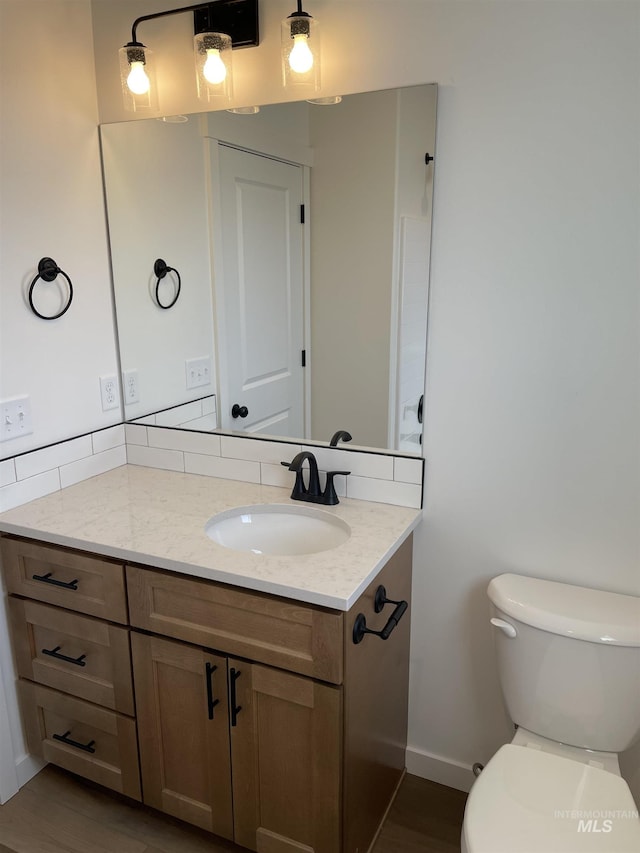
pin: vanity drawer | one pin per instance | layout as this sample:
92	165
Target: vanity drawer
67	578
286	634
95	743
77	654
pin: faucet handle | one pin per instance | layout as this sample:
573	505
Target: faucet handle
299	488
329	496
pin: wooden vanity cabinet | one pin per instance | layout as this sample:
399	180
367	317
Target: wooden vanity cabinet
68	615
316	724
256	717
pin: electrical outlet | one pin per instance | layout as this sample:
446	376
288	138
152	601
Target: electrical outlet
198	371
109	392
131	387
15	418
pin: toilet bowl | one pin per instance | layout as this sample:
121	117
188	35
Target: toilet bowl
569	664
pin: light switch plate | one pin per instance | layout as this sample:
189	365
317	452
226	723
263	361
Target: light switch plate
198	371
15	418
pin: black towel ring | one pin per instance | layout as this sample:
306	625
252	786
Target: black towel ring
48	270
160	269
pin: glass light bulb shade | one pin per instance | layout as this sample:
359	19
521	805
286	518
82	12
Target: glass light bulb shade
214	68
300	48
137	78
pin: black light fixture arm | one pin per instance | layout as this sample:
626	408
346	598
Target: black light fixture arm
193	8
300	11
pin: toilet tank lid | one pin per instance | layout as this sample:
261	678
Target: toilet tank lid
572	611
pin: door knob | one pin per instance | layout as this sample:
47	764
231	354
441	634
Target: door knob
239	411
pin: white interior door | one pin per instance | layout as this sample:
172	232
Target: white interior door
258	262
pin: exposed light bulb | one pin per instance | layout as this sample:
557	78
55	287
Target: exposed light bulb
137	80
214	70
301	58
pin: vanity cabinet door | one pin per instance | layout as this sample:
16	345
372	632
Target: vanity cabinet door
183	729
286	756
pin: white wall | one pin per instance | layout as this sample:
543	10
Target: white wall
52	206
533	403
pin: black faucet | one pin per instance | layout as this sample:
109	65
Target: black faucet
312	493
340	435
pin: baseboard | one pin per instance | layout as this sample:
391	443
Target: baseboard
436	768
27	767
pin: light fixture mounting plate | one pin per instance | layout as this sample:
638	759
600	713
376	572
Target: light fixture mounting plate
237	18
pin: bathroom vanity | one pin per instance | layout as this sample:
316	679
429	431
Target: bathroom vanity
221	687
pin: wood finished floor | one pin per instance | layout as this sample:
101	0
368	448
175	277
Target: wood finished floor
60	813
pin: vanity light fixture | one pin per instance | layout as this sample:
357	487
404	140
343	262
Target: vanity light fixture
300	50
219	26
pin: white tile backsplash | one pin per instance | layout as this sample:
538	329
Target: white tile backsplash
23	491
7	472
39	461
384	491
155	457
135	434
274	452
41	472
108	438
378	477
192	442
407	470
276	475
360	464
220	466
209	405
99	463
179	414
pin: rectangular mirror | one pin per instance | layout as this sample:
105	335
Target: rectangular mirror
271	270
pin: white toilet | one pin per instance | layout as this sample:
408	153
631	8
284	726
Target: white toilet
569	663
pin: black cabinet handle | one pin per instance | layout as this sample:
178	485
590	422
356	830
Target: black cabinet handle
85	747
234	675
211	702
381	599
49	579
238	411
360	625
55	653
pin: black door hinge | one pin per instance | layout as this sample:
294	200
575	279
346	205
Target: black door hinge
302	214
304	358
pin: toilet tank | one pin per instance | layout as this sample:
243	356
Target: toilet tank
569	660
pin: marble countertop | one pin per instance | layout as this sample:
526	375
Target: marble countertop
156	517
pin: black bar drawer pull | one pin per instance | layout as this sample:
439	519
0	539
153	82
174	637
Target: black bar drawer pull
55	653
85	747
64	584
360	625
211	702
234	675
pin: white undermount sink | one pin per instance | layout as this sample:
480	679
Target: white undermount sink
277	529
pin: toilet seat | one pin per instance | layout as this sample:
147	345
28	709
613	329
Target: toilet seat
529	801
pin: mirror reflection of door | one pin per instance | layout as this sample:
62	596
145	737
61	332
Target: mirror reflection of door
259	284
